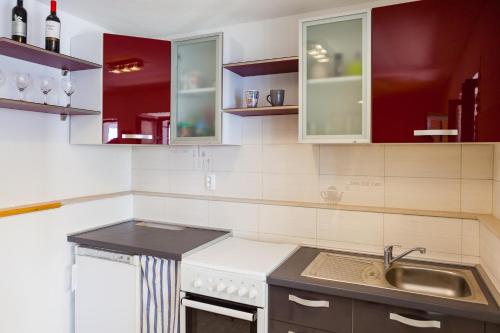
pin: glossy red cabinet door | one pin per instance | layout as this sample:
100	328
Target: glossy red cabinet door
436	72
136	90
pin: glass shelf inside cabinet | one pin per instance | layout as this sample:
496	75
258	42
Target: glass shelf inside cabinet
196	89
334	82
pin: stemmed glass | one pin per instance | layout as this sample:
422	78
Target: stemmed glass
46	86
2	78
23	81
69	89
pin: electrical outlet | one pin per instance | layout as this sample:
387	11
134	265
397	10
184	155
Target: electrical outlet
210	182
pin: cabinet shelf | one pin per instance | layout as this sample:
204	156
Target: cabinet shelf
43	108
41	56
197	91
265	67
264	111
337	79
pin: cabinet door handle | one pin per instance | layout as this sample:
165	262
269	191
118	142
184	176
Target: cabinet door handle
138	136
414	322
450	132
308	303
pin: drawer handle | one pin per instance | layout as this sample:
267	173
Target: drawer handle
138	136
414	322
309	303
451	132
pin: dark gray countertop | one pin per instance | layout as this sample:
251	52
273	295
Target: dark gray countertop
130	238
289	275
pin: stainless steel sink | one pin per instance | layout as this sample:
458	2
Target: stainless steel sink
429	281
424	279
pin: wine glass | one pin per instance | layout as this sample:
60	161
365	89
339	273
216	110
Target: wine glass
46	86
23	81
2	78
69	89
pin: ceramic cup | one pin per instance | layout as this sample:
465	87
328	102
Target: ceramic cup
251	98
276	97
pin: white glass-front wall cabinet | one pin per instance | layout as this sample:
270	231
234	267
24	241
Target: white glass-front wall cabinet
335	80
196	92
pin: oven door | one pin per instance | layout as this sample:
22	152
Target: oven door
201	314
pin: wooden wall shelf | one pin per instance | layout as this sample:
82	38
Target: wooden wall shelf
41	56
38	107
264	111
265	67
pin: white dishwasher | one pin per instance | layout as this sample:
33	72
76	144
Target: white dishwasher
107	292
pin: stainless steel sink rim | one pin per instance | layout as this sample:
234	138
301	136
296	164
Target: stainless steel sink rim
375	274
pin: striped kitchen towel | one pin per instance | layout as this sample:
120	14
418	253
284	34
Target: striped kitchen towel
160	294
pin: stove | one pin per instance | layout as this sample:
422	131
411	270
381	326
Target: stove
224	286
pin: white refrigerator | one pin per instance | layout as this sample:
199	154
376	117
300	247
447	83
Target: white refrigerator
107	292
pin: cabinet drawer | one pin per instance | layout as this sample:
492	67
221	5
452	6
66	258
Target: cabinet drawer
379	318
280	327
329	313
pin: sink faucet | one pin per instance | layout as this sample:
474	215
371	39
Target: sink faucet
389	259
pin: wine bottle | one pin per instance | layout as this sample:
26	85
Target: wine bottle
52	29
19	23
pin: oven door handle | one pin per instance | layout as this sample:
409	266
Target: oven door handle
218	310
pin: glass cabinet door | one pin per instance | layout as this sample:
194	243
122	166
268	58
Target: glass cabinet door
196	94
334	83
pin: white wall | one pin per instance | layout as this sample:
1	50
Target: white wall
38	164
36	161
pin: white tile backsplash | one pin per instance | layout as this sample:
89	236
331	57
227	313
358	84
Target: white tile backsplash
149	208
290	187
470	238
432	161
246	158
354	190
351	227
186	211
272	165
240	217
290	159
477	196
155	158
496	163
442	235
423	193
347	160
238	185
496	199
150	180
288	221
477	161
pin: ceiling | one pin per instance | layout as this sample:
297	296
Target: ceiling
168	17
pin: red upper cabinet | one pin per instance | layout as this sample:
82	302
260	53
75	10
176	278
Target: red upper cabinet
136	90
436	72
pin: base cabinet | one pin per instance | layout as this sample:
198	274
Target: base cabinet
380	318
298	311
281	327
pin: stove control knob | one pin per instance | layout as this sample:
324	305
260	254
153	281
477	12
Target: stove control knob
252	294
231	290
197	283
221	287
242	292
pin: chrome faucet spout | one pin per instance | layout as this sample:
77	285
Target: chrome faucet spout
389	259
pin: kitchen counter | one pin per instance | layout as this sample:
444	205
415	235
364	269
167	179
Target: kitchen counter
155	239
289	275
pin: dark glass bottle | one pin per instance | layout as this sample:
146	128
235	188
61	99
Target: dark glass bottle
53	29
19	23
